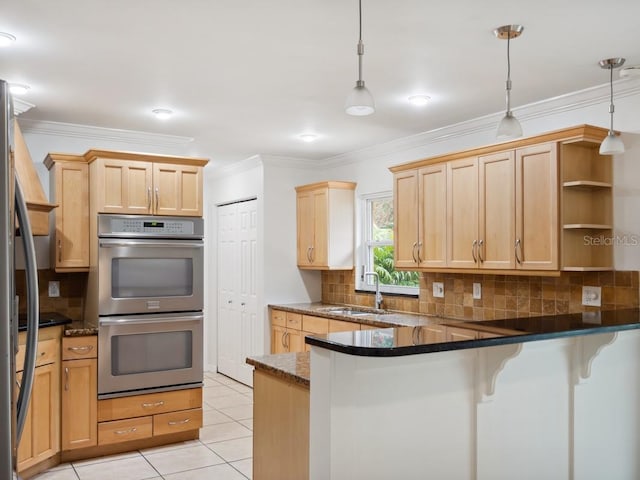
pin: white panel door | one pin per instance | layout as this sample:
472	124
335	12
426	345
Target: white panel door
237	306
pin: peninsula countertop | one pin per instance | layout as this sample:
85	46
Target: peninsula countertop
293	367
399	341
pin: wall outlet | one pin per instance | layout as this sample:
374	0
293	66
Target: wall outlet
438	290
54	289
592	296
477	291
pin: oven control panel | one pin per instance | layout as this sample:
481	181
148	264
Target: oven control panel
141	226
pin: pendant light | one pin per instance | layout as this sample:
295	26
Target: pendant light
360	101
509	126
612	144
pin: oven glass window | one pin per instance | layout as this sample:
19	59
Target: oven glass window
151	277
151	352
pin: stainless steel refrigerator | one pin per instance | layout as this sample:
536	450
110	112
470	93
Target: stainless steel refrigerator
14	397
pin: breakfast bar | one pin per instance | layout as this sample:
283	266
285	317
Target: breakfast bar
559	400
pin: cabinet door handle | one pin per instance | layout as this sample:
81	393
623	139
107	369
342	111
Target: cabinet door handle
82	349
127	431
312	254
415	335
155	404
518	245
157	199
413	252
418	251
282	342
309	254
149	199
59	250
474	245
480	247
66	379
179	422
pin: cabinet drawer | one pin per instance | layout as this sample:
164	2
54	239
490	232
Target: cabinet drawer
48	352
177	421
150	404
74	348
340	326
278	318
125	430
315	324
294	321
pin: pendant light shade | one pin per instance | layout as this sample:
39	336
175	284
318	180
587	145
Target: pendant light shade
360	101
509	126
612	144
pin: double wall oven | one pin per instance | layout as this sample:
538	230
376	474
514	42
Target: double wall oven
150	298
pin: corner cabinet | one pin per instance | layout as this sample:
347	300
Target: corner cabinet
130	183
517	207
69	188
325	229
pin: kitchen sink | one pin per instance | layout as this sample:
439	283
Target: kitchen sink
351	311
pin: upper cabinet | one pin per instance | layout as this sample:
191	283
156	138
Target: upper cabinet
521	206
69	188
129	183
325	216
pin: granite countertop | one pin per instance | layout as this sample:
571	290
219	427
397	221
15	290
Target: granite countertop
47	319
376	318
400	341
293	367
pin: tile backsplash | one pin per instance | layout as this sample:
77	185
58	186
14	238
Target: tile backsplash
503	296
72	288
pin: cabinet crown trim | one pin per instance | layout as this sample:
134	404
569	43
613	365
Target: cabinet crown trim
328	184
581	133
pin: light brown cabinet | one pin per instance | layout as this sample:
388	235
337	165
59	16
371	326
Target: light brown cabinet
325	216
41	436
79	392
423	230
508	209
288	330
141	417
69	189
133	186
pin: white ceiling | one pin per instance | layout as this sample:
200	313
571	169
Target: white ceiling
247	77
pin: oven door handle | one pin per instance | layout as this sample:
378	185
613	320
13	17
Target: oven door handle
105	322
142	243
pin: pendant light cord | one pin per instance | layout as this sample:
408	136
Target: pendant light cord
508	72
360	45
611	107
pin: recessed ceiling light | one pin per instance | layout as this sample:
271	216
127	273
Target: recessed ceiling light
419	100
18	88
162	113
308	137
6	39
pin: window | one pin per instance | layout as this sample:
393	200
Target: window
377	249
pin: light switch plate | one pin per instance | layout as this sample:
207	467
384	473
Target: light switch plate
438	290
54	289
592	296
477	291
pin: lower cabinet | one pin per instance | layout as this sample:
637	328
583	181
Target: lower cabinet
79	392
144	416
41	436
280	428
288	330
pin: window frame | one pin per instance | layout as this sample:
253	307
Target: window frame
366	243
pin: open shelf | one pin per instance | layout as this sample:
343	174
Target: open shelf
587	184
588	226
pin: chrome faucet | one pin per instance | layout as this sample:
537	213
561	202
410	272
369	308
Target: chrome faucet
378	294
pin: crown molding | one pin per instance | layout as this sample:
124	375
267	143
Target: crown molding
487	123
20	106
234	168
291	162
60	129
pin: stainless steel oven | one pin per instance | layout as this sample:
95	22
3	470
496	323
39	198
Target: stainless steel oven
151	352
149	264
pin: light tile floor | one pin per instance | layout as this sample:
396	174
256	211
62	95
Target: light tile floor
223	451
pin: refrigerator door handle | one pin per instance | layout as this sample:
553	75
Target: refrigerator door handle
32	310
